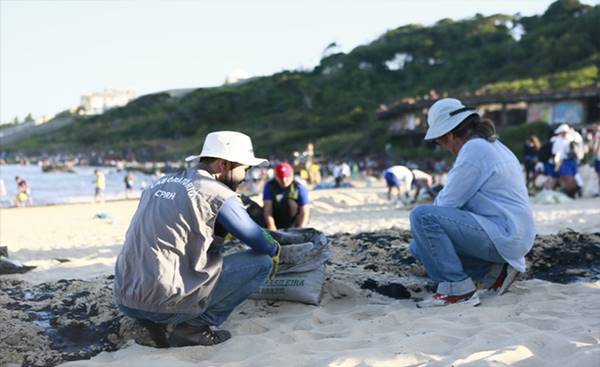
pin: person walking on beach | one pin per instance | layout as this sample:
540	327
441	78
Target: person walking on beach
480	226
285	200
399	178
23	196
171	274
100	185
128	180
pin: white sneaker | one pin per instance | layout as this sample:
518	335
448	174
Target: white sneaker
439	300
505	279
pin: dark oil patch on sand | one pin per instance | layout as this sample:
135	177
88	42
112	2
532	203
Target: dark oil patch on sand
561	258
50	323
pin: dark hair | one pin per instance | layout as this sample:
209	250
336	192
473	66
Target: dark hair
475	126
207	160
535	141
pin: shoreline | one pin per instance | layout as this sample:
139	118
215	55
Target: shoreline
67	203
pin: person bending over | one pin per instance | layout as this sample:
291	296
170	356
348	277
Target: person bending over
422	181
171	274
399	178
480	226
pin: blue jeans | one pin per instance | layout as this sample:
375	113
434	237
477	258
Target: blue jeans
452	246
242	274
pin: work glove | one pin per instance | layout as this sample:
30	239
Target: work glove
275	261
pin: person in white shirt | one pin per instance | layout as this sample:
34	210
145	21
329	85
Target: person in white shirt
422	180
399	178
341	171
567	147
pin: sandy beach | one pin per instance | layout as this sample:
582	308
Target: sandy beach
538	323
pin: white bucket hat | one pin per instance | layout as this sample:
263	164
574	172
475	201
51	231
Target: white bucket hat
229	145
563	128
444	115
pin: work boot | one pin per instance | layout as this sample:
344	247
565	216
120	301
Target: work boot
156	333
184	335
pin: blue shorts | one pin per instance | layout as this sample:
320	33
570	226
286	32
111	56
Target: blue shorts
597	165
391	180
568	168
549	170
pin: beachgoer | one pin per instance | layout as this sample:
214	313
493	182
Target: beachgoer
567	148
341	171
596	150
422	181
23	196
285	200
531	150
314	173
128	184
546	158
100	185
400	178
170	273
3	191
480	226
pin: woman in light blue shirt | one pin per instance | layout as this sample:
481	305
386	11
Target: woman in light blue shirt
480	226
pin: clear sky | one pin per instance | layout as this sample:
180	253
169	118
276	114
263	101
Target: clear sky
52	52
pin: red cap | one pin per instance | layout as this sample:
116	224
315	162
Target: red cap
283	170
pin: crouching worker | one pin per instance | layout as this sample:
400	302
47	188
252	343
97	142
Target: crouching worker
171	274
480	225
285	200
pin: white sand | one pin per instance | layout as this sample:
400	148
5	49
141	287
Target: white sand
538	324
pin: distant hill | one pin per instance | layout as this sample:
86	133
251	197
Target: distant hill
334	104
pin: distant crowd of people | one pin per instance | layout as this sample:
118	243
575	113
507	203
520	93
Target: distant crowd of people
128	180
558	160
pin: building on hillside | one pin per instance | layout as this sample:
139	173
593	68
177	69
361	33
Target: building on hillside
43	119
573	106
99	102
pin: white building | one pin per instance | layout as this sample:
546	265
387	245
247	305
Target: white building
43	119
99	102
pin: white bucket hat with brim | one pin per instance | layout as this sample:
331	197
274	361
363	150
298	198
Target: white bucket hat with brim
563	128
232	146
444	115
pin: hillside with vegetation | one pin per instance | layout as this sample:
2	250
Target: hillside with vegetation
334	104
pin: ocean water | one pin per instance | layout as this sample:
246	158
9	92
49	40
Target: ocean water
61	187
